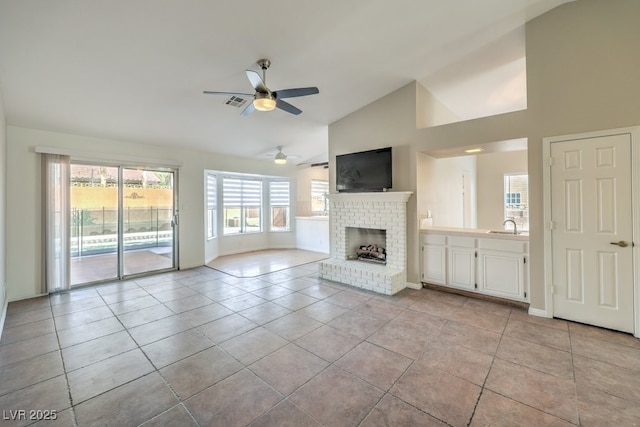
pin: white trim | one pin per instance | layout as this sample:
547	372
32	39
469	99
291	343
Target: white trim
634	132
92	156
382	196
538	312
3	316
412	285
548	259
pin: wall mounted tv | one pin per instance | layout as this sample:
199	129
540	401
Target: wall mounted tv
365	171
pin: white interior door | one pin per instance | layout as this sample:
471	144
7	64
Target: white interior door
591	213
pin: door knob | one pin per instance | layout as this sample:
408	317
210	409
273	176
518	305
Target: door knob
621	243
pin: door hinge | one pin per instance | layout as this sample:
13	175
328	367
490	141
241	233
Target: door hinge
550	161
551	225
553	289
525	294
475	285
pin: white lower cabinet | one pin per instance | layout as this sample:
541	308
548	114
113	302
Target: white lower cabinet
434	260
461	262
494	266
502	268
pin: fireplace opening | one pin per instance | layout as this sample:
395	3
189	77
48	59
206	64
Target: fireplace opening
366	244
372	253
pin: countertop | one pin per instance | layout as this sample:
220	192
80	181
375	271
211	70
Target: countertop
314	218
475	232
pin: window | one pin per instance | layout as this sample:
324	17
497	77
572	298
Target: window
279	196
513	200
242	199
211	205
319	192
516	200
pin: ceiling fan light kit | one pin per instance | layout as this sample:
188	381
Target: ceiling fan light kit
280	158
264	102
265	99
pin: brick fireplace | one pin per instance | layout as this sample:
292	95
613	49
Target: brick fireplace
385	211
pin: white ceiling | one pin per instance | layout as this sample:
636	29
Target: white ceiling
135	70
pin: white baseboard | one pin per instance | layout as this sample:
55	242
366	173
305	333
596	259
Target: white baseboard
3	317
414	285
538	312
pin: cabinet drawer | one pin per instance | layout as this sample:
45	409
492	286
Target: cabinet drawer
462	242
503	245
434	239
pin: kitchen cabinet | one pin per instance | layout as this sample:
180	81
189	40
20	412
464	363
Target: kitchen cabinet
434	259
470	261
502	268
461	260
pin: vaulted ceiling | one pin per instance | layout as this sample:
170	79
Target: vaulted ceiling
135	70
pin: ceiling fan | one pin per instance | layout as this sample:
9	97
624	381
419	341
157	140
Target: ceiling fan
279	157
264	99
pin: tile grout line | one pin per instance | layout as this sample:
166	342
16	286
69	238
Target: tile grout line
573	372
155	369
486	378
64	368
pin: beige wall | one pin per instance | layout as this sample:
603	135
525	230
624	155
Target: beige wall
491	169
582	62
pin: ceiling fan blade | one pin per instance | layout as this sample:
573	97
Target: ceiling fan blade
256	81
248	109
209	92
283	105
292	93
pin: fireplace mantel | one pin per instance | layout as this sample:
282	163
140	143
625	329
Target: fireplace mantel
382	196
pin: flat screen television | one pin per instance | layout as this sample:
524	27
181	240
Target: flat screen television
365	171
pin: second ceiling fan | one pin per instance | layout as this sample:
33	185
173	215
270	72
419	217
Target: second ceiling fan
264	99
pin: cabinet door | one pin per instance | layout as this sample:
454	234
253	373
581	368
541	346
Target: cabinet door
501	274
462	271
434	264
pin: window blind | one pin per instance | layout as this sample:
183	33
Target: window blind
279	193
211	191
319	188
242	192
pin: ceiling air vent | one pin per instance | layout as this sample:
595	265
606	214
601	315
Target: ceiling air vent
236	101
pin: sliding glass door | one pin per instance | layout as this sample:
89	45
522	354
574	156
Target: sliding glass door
122	222
148	220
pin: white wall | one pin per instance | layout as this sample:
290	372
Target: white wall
492	167
304	176
430	111
23	218
3	208
440	189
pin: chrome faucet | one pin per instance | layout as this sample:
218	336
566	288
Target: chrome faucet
515	226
